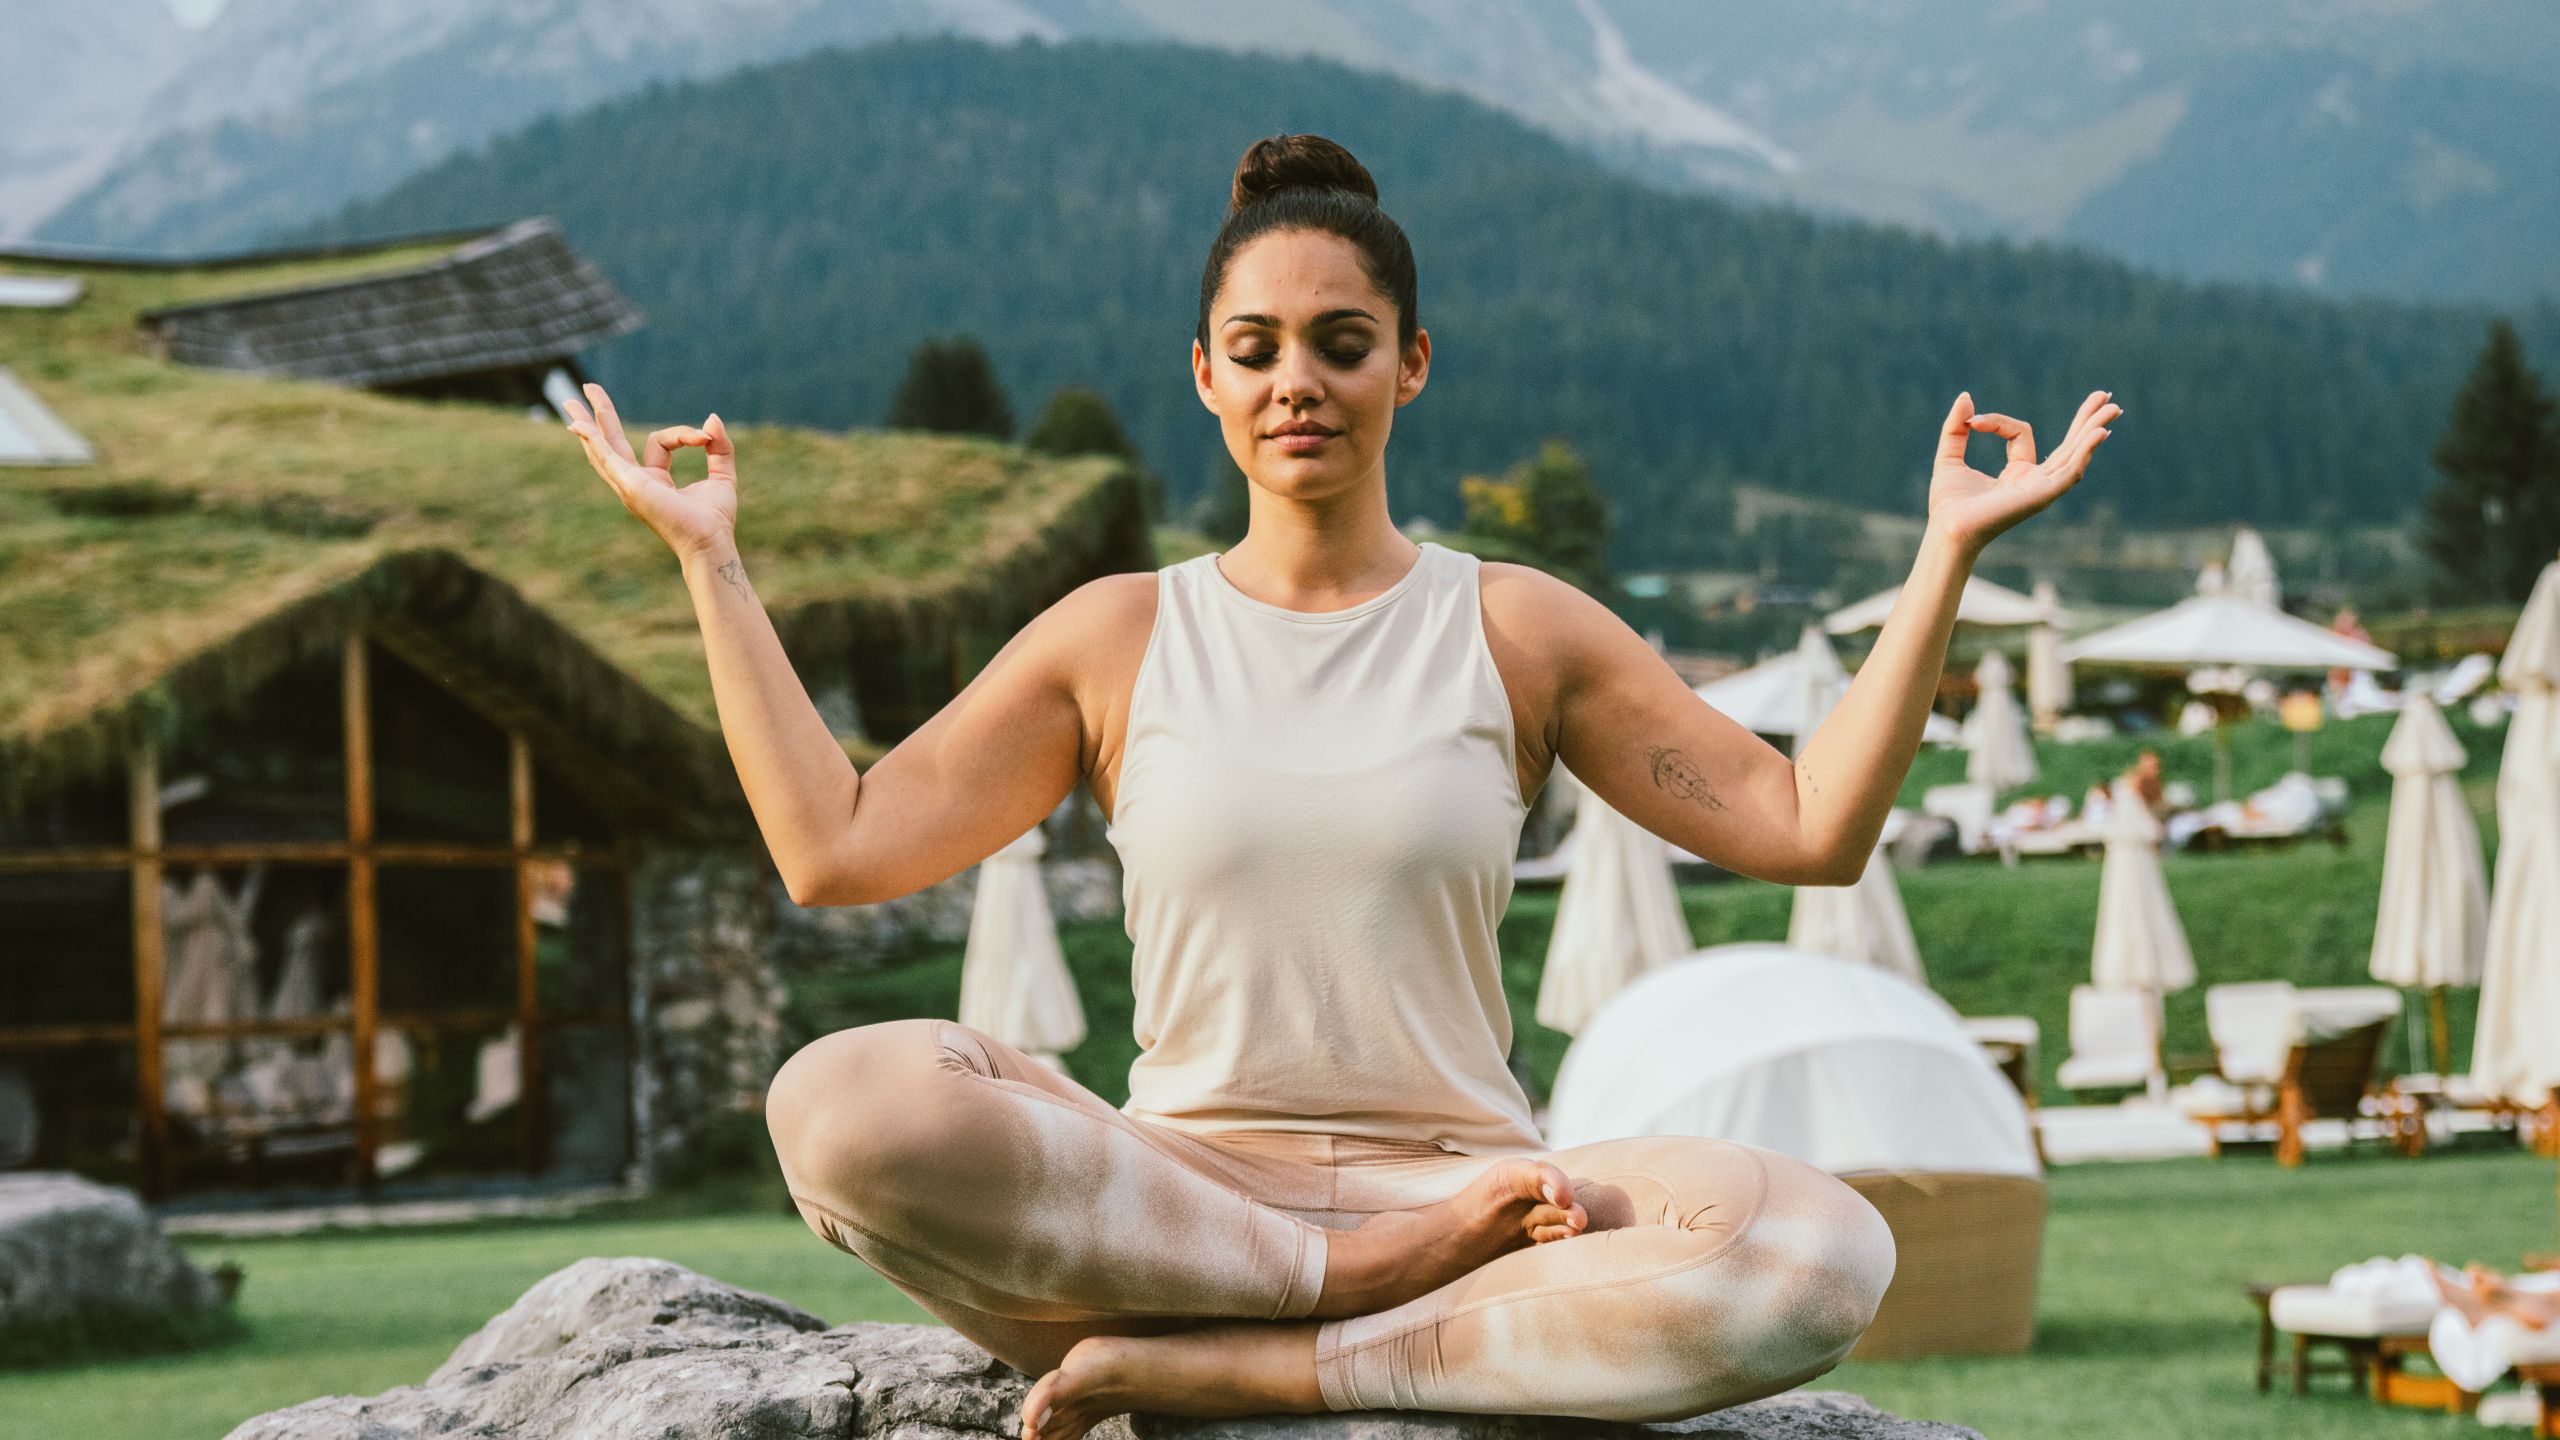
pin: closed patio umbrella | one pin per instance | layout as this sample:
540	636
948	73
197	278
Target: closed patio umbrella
1995	734
1014	982
2434	918
1864	922
2516	1053
1617	917
2141	944
2048	674
2252	574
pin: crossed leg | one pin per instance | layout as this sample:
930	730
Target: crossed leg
1107	1255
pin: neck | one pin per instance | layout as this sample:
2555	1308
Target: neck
1336	547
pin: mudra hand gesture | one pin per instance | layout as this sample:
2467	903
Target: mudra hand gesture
1973	507
695	518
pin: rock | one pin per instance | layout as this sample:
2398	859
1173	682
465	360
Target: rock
633	1347
70	1247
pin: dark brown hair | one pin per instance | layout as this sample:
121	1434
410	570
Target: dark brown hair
1306	182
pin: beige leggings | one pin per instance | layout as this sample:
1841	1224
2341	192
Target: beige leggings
1027	1213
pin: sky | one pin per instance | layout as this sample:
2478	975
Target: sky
196	14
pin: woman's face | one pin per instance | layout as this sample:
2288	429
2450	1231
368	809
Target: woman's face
1297	334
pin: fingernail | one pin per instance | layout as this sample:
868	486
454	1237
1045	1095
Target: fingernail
1550	1192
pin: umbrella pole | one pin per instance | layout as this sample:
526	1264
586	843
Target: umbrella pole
2221	757
2418	1055
2437	1028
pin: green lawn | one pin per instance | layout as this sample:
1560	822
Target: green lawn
2144	1330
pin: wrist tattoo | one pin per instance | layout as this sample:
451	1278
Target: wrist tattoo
1674	775
734	570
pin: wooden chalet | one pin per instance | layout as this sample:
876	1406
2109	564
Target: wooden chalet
334	725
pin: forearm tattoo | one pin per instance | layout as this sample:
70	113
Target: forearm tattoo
1674	775
734	571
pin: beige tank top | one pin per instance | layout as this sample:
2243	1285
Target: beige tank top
1316	821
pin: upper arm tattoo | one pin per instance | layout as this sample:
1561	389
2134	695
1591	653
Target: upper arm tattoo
1674	775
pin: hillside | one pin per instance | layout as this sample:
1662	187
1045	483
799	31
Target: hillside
793	231
2340	146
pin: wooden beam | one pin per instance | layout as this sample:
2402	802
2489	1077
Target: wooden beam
531	1122
363	920
305	852
142	790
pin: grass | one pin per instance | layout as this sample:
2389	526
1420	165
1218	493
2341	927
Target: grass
2143	1329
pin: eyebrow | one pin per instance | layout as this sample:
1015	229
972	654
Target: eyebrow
1273	322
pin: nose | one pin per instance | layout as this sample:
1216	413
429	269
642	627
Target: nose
1295	382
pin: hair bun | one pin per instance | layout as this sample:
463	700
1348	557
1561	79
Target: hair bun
1285	162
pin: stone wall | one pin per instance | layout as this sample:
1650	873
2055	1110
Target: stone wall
1081	869
706	1004
715	938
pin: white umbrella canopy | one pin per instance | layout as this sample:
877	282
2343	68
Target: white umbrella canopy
2048	674
1983	603
2226	630
2516	1051
1785	695
2141	944
1014	982
1864	922
2434	916
2252	574
1996	733
1617	917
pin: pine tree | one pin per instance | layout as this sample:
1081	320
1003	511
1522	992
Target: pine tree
951	388
2495	521
1079	421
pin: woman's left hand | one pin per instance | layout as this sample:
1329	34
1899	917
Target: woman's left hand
1972	507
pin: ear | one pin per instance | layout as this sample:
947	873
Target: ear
1200	376
1414	366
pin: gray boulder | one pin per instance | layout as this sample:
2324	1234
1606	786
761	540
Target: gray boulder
638	1347
71	1247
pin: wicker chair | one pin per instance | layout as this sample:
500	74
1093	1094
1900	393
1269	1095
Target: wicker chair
1967	1249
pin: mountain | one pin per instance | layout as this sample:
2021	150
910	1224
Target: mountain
793	231
2414	135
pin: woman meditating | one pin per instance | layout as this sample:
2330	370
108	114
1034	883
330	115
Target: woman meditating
1315	751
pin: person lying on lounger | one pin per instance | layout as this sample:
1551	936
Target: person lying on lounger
2533	1302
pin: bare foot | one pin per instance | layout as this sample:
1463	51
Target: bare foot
1396	1255
1249	1368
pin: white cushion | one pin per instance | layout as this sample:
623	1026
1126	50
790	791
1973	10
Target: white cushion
2319	1310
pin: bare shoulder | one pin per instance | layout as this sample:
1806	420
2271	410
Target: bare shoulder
1099	629
1547	621
1096	635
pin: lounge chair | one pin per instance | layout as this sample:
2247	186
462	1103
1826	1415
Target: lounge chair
2010	1042
2330	1041
1968	807
2114	1042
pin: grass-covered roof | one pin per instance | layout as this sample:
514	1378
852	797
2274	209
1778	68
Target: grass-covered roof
228	514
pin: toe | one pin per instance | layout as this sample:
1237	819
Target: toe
1035	1406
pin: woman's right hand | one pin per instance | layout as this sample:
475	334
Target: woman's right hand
694	519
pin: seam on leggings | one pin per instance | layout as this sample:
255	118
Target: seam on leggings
1759	1200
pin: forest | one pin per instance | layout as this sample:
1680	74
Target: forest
793	232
